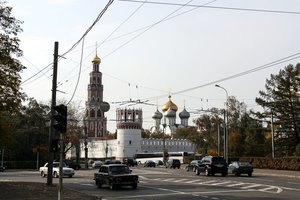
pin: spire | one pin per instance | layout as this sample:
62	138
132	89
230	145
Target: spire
96	59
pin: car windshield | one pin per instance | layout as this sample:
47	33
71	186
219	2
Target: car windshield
119	170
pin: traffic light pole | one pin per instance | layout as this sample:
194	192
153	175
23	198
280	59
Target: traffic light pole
53	103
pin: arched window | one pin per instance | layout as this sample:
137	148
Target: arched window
98	113
92	113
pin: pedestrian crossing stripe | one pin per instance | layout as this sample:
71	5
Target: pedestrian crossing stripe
231	184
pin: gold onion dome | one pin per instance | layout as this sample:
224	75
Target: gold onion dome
96	60
170	105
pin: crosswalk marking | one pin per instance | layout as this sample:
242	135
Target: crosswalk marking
180	180
222	183
251	186
231	184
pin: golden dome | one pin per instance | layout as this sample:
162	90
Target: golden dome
96	60
170	105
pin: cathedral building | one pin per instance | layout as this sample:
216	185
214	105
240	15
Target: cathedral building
129	127
166	122
95	120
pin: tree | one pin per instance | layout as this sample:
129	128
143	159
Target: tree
10	94
30	133
281	100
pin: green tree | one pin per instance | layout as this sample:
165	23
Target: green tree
10	94
281	99
30	133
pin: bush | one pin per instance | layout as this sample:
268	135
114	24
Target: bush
282	163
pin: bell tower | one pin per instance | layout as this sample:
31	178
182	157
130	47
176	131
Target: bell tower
95	120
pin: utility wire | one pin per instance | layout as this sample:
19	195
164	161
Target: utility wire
268	65
217	7
74	45
81	56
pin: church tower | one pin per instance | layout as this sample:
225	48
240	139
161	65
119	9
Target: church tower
95	121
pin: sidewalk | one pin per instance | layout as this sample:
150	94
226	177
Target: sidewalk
278	173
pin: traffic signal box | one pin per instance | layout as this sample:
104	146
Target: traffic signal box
60	118
54	145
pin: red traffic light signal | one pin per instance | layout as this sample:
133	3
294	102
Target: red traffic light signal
60	118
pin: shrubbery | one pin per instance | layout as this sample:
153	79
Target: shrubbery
282	163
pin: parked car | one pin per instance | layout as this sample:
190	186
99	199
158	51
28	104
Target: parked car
130	162
240	167
211	165
72	164
66	170
149	163
108	162
173	163
115	175
159	162
192	165
97	164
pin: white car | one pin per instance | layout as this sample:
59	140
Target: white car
66	170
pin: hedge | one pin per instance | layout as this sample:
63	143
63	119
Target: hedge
282	163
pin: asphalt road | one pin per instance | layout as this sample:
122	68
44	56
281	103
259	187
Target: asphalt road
162	183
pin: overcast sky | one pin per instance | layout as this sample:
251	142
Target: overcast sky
149	50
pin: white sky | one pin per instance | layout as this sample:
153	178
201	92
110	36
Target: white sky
193	49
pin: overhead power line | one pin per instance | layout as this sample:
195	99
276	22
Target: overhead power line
217	7
76	43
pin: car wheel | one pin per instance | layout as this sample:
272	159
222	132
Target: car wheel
194	169
99	185
206	172
112	186
55	174
197	171
43	174
250	174
237	174
134	186
224	174
187	169
76	167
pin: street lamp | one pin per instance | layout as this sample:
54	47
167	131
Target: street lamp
85	143
226	123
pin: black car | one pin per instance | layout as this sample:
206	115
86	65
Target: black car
240	167
211	165
173	163
115	175
149	163
192	165
109	162
72	164
130	162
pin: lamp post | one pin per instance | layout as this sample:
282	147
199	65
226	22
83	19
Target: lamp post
85	144
226	123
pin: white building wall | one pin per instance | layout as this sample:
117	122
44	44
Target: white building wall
128	143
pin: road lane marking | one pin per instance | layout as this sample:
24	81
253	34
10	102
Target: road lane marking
221	183
251	186
180	180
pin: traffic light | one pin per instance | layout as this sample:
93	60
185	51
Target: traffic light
54	145
60	118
